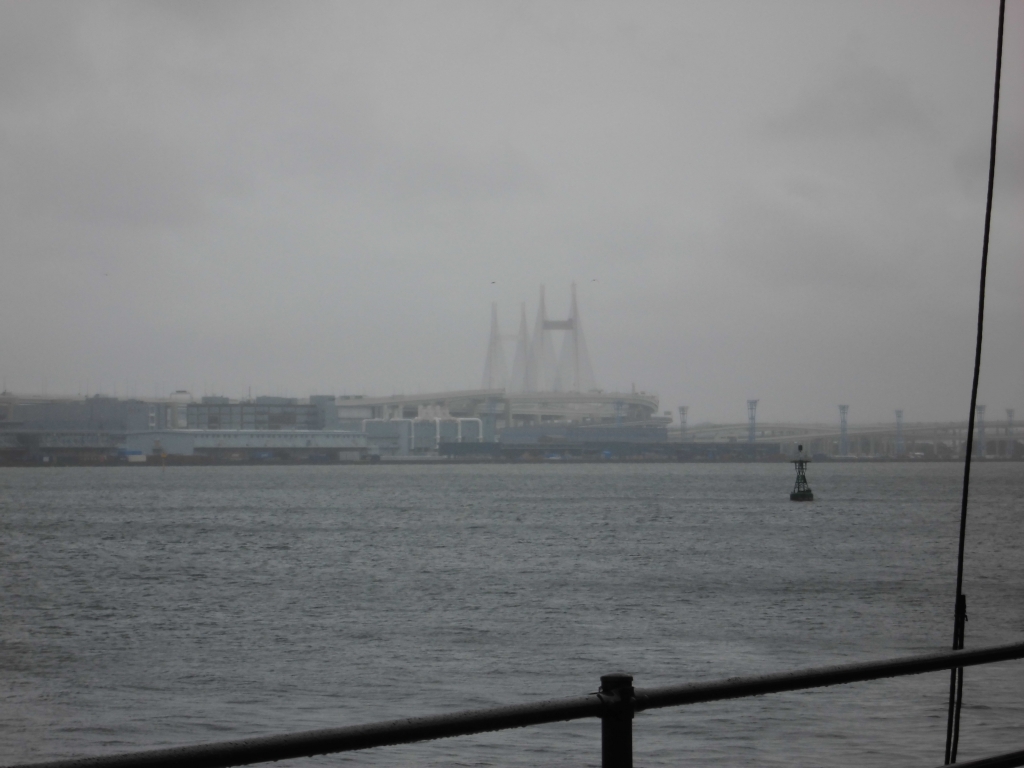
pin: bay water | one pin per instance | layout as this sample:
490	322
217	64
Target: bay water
146	607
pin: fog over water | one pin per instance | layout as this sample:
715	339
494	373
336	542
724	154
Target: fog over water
147	607
773	200
779	200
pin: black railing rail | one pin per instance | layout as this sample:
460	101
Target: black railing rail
739	687
615	704
1009	760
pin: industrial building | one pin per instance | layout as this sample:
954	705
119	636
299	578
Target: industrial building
419	437
248	445
263	413
475	424
101	429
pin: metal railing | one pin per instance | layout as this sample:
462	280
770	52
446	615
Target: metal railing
615	703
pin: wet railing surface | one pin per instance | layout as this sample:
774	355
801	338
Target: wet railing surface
615	704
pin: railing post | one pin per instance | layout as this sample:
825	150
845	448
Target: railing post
617	721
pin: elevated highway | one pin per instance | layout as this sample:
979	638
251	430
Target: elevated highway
940	438
509	408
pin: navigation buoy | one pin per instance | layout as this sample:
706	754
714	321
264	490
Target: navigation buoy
801	490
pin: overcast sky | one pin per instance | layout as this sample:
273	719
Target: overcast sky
780	200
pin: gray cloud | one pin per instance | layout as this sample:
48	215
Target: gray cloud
324	196
858	101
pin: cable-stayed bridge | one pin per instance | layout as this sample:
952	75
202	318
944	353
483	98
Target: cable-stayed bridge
535	368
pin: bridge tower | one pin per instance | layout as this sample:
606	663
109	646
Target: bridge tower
844	442
751	420
683	409
540	369
517	382
537	369
1009	421
574	373
495	372
899	432
979	445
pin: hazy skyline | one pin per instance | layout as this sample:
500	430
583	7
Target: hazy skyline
773	200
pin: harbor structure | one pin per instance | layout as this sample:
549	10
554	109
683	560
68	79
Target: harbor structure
227	445
541	389
92	429
542	399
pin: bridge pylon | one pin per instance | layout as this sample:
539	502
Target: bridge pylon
535	367
495	371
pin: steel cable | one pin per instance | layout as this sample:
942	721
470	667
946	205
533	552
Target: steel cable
956	678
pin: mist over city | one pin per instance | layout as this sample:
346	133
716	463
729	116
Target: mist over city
509	383
781	201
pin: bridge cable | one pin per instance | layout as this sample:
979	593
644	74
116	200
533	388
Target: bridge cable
956	679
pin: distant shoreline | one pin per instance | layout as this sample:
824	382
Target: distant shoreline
178	461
